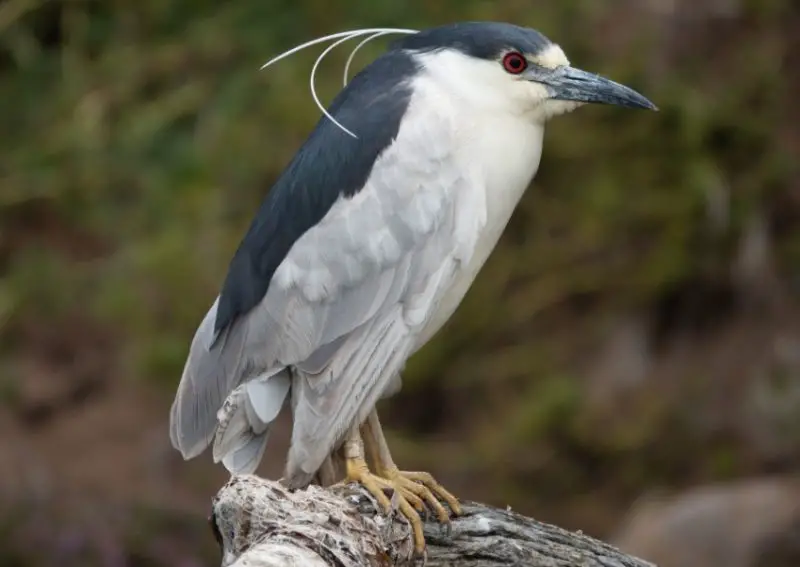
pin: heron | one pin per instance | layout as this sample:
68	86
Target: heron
367	243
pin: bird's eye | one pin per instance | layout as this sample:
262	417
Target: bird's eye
514	63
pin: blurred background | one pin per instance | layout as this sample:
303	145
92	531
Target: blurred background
627	363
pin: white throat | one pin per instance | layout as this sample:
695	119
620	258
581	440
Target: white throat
500	153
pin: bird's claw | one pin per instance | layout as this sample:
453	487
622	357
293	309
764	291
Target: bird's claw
423	486
417	489
406	502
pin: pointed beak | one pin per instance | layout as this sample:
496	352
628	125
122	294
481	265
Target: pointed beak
569	83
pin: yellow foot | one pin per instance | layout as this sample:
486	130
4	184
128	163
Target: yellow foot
409	504
424	487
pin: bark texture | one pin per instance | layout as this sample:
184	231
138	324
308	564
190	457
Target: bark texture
264	525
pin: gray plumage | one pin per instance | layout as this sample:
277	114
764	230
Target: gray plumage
352	272
365	246
330	165
482	40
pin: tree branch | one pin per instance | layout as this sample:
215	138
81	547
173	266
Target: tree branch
265	525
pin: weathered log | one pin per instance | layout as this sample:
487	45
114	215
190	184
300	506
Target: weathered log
262	524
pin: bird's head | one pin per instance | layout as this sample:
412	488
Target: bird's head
504	67
490	66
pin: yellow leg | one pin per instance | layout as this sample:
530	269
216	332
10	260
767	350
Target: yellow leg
357	471
422	485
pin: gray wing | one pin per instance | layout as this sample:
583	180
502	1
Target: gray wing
356	290
327	166
210	402
344	307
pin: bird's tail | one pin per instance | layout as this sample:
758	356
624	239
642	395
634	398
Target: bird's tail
210	403
208	377
245	419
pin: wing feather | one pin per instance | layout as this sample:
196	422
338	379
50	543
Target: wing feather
355	291
208	377
359	373
244	421
344	309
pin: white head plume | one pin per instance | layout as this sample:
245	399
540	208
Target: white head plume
341	37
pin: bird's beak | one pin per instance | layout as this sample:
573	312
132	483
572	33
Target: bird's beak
569	83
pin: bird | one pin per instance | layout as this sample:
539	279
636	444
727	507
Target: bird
366	244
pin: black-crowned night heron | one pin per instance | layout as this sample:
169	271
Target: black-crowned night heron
366	245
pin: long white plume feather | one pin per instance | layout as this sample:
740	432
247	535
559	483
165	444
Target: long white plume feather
355	49
341	37
322	55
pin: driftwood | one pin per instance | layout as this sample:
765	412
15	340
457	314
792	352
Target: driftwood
262	524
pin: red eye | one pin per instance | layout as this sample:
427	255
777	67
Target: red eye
514	63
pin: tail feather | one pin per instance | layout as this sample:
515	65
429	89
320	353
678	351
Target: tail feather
208	377
244	421
246	458
266	395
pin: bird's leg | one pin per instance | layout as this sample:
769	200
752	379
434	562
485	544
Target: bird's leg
330	470
422	485
357	471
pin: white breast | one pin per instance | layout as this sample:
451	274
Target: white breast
502	152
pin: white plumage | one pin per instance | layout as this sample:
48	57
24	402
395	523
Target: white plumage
382	271
385	268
